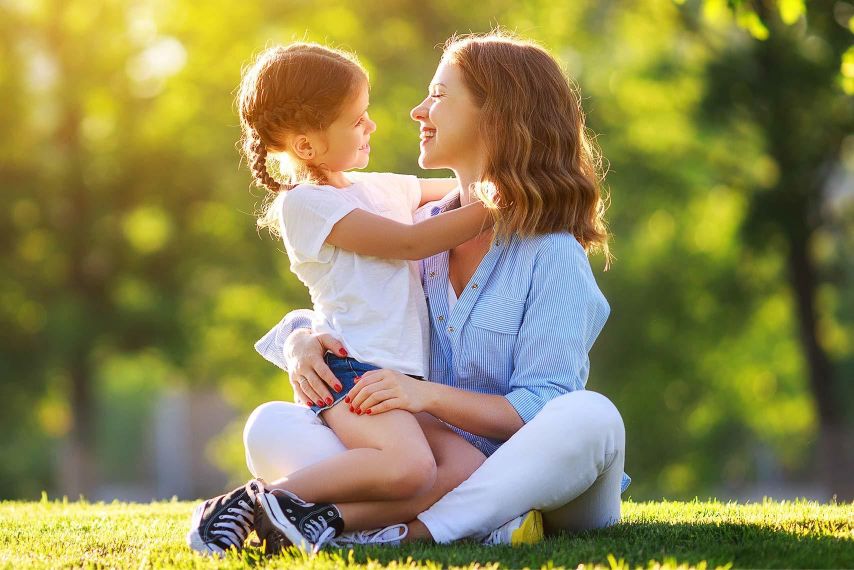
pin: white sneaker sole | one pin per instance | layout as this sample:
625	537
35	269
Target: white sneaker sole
194	539
278	519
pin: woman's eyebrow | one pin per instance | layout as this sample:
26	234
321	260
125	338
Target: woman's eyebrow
432	85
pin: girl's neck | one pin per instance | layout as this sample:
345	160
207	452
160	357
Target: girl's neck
337	179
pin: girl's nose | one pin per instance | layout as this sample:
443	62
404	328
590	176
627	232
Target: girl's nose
372	126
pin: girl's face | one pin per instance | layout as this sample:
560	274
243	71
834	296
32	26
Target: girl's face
449	122
344	145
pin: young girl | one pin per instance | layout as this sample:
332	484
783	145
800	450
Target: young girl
348	237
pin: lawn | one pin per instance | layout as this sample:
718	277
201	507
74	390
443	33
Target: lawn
51	534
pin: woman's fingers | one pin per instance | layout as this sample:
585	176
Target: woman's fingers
375	398
303	390
299	395
384	406
318	367
332	344
363	389
317	386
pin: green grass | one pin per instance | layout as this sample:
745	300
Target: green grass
652	535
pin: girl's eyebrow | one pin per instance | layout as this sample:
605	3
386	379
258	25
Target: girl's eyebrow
432	85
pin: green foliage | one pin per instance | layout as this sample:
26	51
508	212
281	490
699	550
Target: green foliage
666	535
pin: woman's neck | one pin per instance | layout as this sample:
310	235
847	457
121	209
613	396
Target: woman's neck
467	178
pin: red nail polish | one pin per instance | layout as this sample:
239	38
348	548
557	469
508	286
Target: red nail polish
351	409
368	412
329	401
342	352
310	403
358	410
357	378
339	387
346	399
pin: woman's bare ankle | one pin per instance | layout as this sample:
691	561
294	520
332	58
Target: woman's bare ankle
417	531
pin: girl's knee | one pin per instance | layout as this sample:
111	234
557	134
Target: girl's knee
410	474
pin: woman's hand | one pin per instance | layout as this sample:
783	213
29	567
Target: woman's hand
379	391
310	377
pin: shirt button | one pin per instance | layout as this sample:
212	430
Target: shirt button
432	274
474	286
441	317
450	329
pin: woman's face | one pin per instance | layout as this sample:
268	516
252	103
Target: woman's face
449	123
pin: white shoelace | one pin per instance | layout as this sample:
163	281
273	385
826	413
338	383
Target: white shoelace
377	536
319	532
238	527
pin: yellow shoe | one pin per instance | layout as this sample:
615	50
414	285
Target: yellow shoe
524	529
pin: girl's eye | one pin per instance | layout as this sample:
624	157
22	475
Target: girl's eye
437	95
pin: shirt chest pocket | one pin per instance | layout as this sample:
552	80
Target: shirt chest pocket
498	314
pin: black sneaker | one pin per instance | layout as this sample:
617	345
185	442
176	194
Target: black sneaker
224	522
288	520
268	538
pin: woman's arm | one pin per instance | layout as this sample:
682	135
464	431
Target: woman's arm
486	415
433	189
369	234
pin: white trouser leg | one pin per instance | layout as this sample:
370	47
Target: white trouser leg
567	462
281	437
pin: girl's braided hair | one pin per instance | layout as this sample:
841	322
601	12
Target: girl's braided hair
289	90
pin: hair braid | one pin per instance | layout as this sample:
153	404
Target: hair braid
257	152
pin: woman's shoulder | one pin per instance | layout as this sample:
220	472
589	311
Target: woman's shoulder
555	247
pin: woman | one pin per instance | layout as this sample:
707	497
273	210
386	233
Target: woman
513	313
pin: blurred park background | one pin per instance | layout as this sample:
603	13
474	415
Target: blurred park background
133	282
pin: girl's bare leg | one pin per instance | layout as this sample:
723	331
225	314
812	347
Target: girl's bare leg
388	458
456	460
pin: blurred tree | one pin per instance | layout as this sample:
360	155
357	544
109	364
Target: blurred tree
786	84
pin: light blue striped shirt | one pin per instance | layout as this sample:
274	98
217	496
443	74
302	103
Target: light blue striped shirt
523	327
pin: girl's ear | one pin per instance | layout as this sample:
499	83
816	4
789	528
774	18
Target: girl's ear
302	147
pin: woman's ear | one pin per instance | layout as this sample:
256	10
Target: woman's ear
301	146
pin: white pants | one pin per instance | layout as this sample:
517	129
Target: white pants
567	462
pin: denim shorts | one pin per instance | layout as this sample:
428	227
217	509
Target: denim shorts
346	369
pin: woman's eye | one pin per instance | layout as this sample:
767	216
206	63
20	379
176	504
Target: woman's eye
437	95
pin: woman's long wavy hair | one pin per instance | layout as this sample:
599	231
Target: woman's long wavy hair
542	171
288	90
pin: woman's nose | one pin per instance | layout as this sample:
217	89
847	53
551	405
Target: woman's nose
372	126
419	112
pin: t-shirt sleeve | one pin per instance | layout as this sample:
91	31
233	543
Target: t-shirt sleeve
401	189
412	188
308	214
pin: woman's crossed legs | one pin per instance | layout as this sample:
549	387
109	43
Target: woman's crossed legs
567	462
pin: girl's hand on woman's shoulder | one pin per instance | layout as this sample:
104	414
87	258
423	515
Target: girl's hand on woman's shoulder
382	390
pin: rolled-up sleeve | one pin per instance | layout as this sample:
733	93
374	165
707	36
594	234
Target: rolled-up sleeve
272	345
564	313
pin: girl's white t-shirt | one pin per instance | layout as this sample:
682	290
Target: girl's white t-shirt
375	307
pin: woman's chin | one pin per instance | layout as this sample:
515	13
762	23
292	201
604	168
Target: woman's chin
426	161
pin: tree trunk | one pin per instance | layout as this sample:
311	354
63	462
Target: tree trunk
835	440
